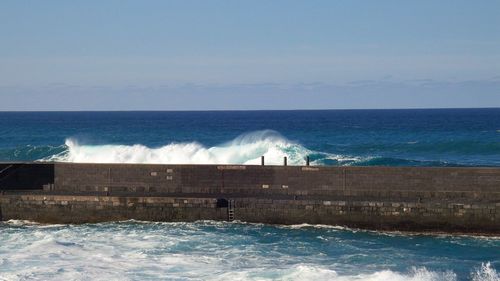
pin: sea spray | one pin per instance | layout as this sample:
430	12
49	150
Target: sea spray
245	149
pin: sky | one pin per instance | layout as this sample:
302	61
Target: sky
239	55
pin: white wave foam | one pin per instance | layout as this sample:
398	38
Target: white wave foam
416	274
314	272
245	149
20	223
320	226
486	273
188	251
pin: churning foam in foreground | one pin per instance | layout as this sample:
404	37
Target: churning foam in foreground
220	251
245	149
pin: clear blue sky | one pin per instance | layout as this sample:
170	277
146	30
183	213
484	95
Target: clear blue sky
178	55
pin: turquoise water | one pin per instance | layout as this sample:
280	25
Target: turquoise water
237	251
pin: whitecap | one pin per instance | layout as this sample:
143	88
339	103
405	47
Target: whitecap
244	149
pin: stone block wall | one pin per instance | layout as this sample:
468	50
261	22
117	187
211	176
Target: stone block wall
480	218
380	215
387	198
83	209
408	183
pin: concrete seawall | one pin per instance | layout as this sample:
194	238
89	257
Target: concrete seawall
385	198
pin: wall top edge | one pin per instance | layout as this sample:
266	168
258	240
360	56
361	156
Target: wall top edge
243	167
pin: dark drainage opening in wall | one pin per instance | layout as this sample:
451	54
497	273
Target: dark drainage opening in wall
222	203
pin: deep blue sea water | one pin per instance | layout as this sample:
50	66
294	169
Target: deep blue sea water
238	251
427	137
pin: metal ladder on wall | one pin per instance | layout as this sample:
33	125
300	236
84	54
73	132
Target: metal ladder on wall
230	210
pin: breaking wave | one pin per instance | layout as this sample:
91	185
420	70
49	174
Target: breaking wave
245	149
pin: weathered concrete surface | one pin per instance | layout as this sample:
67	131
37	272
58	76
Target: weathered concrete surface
388	198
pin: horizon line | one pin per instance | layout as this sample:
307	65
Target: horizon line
238	110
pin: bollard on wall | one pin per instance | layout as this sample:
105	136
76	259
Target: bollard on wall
284	161
307	160
262	160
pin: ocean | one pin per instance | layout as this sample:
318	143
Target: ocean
208	250
422	137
